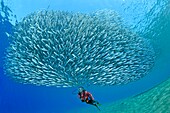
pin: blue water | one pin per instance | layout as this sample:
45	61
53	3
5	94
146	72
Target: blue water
19	98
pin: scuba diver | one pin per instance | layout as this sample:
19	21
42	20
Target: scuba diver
87	97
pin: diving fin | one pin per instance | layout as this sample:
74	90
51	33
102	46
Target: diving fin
97	107
95	103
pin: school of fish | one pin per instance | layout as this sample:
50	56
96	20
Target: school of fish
69	49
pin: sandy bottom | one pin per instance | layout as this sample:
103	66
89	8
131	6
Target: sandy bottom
155	100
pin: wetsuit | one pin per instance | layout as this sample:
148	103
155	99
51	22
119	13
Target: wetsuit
86	97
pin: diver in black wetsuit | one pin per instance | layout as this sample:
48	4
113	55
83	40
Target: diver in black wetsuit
87	97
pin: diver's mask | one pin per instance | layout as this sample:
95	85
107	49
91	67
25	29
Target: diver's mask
81	89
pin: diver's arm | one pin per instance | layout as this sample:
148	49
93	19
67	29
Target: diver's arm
79	95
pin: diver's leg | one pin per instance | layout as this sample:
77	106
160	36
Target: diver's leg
94	103
89	102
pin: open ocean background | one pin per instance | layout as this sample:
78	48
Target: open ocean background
149	18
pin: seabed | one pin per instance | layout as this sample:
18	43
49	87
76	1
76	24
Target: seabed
155	100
